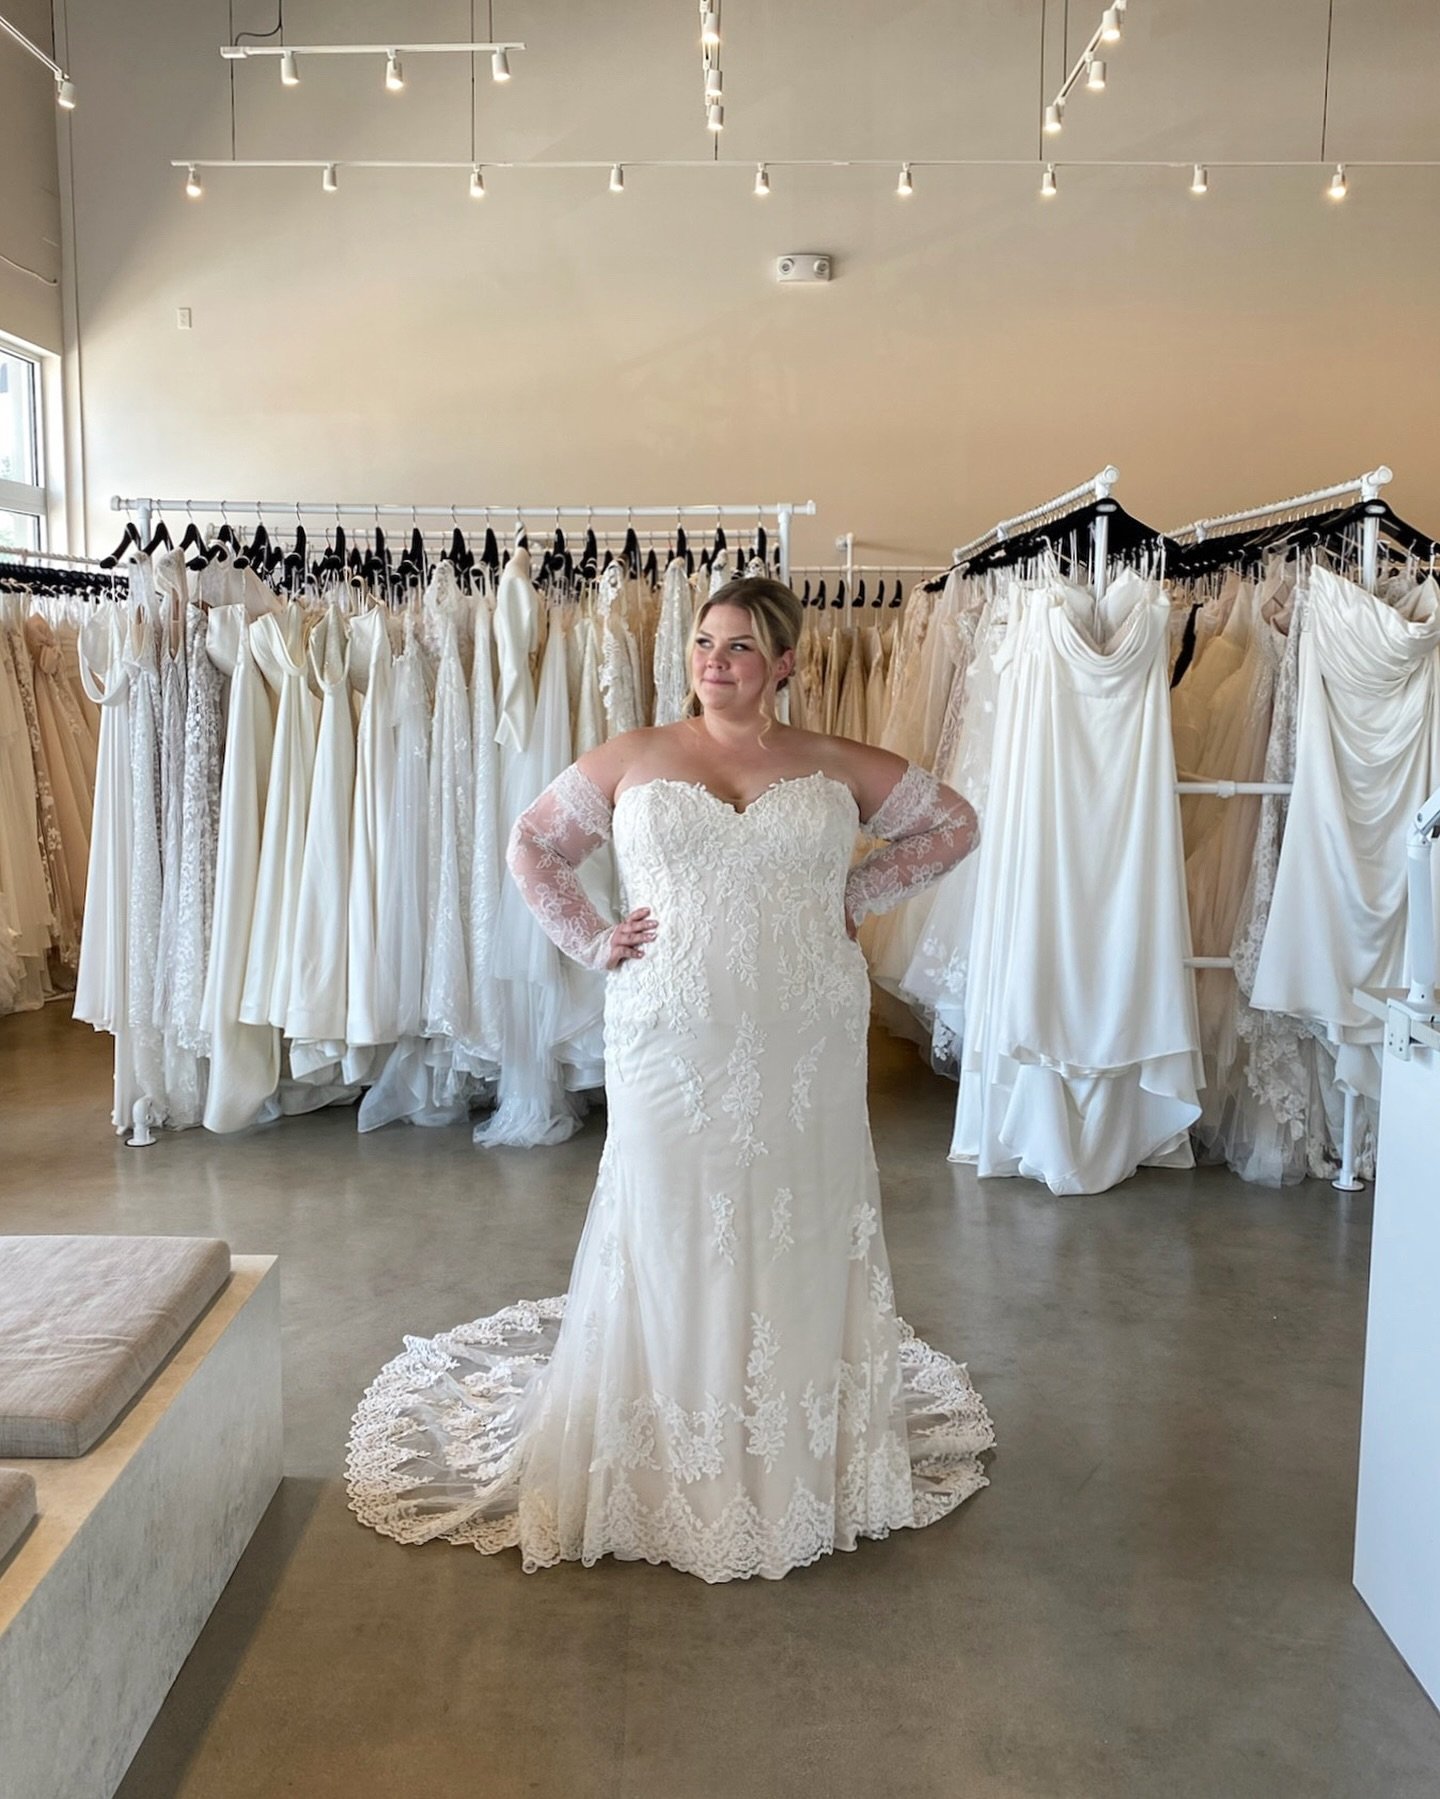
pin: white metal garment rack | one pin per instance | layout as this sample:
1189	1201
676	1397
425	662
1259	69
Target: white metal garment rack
1365	487
781	511
1098	487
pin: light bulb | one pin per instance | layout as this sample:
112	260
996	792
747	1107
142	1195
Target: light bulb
617	179
1200	180
710	28
394	74
714	84
330	180
65	93
1110	25
762	180
1096	79
193	185
715	117
1338	187
500	65
477	183
1055	118
905	186
289	73
1048	187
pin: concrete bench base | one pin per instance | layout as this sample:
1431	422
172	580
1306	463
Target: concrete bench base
103	1601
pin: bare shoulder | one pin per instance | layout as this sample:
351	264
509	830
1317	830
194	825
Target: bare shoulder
609	763
870	773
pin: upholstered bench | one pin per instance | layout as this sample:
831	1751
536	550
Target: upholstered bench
85	1322
143	1377
17	1508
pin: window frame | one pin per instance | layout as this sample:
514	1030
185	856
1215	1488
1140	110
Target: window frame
30	501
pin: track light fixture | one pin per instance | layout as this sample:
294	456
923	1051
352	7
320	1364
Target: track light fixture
1048	187
193	186
477	183
1338	187
330	179
65	93
64	86
1090	64
715	116
714	84
905	186
394	74
289	73
710	26
1200	179
762	181
500	65
617	179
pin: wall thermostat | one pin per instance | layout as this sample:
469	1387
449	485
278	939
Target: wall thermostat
803	265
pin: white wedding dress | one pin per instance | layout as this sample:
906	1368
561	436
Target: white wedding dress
727	1386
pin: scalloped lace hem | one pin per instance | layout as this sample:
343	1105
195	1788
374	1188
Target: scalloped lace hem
895	1486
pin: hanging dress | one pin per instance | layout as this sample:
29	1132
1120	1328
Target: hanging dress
1367	757
1081	1056
316	1012
101	993
244	1058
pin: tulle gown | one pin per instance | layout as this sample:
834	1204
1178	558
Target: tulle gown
727	1386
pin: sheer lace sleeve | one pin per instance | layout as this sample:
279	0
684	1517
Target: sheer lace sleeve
550	840
927	828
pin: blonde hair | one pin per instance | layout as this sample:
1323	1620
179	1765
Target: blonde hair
776	617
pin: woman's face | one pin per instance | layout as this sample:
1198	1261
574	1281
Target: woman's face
727	665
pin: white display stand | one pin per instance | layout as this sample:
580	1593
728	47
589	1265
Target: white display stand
1397	1528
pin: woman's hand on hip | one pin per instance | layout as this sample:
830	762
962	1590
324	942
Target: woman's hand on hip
628	939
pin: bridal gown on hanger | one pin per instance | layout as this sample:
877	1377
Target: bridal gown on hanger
1367	758
1081	1055
727	1386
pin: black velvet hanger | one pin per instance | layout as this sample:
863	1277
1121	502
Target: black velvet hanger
130	540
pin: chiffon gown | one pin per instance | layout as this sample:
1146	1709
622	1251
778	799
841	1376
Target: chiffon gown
727	1386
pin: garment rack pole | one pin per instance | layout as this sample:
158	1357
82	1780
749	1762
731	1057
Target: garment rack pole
1098	485
782	511
1367	486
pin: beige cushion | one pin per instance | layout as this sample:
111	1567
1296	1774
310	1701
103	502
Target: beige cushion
17	1508
85	1322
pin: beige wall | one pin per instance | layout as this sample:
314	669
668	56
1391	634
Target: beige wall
29	185
978	349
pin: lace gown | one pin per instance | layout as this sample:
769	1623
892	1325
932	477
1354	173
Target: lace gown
727	1386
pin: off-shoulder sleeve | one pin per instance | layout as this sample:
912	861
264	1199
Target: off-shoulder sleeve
550	840
926	829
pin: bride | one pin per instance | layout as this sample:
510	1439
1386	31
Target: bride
727	1386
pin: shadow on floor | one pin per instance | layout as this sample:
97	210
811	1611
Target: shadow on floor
175	1739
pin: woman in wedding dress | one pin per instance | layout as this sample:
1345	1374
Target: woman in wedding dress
727	1387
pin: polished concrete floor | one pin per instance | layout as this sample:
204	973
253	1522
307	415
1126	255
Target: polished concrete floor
1151	1599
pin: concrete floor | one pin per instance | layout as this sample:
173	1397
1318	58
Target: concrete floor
1153	1597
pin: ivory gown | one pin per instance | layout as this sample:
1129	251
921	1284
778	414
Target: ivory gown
727	1387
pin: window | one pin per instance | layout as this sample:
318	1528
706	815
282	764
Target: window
22	490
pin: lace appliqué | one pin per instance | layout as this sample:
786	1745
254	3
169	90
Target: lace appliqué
692	1093
801	1081
722	1214
765	1422
744	1095
781	1236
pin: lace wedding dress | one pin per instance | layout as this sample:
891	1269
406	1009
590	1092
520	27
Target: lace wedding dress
727	1386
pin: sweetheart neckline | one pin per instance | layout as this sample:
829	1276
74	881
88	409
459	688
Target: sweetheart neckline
738	811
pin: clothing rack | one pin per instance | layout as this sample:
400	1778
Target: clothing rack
1098	487
781	511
